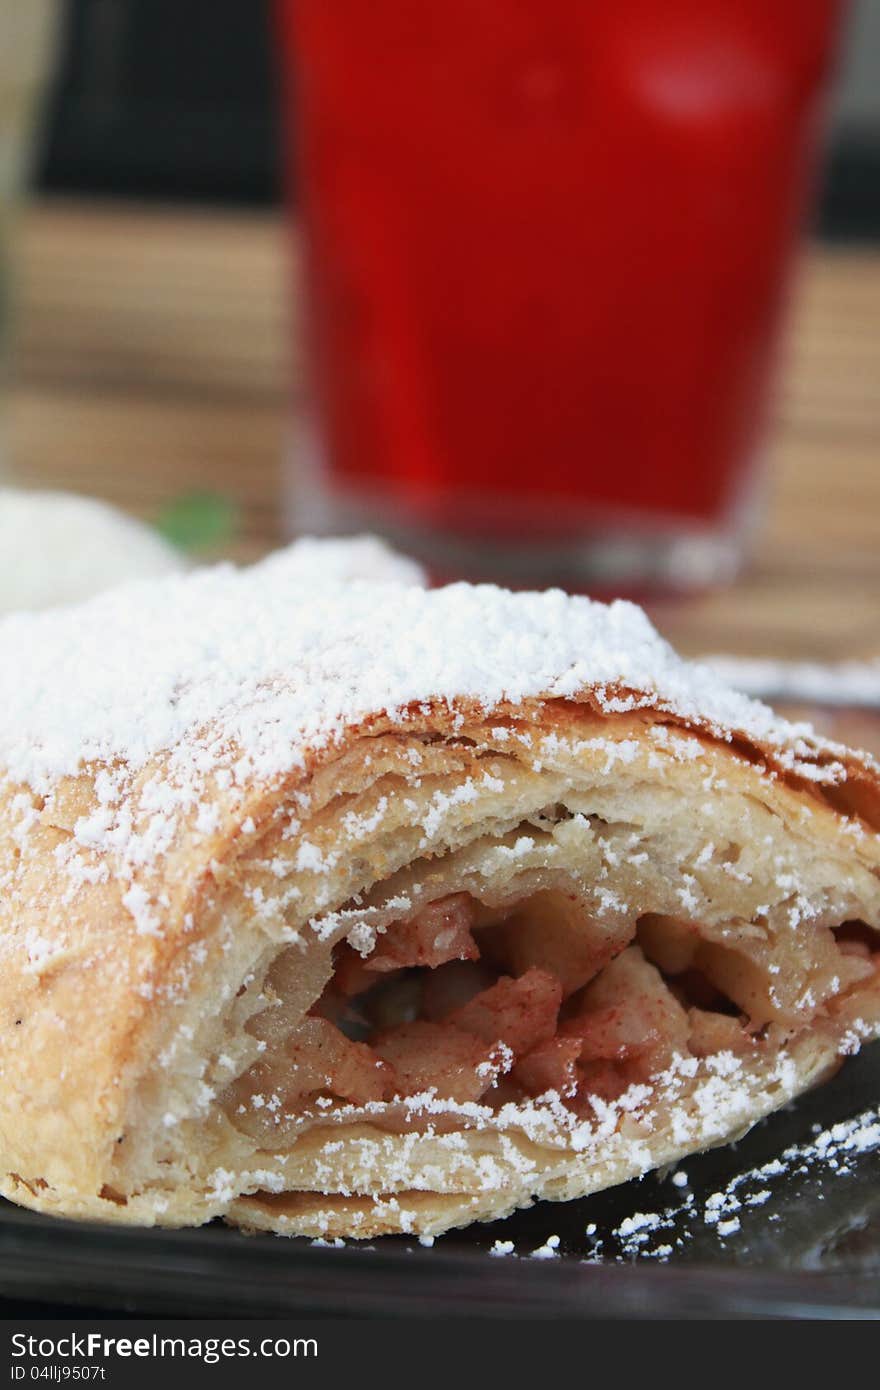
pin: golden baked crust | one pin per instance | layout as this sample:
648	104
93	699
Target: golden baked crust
130	976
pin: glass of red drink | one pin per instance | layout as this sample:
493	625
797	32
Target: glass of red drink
547	246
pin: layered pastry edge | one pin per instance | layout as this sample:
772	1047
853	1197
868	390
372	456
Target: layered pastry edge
636	819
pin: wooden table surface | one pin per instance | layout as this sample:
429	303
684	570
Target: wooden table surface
155	355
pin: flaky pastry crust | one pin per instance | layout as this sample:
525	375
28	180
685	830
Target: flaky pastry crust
126	998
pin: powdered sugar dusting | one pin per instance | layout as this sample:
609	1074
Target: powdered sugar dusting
833	1151
322	561
238	671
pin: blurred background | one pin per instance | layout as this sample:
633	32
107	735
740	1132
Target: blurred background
156	285
154	99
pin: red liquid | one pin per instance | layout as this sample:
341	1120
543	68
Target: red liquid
548	242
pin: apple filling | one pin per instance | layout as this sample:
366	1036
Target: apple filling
462	1003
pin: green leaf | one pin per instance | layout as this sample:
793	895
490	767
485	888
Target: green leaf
198	521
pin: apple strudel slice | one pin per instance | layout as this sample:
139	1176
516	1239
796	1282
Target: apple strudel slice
346	907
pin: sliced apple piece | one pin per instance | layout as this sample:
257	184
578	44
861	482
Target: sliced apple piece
668	942
321	1059
552	931
551	1066
520	1013
457	1065
628	1012
439	933
712	1033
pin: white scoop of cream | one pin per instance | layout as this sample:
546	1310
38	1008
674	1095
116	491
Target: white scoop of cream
56	547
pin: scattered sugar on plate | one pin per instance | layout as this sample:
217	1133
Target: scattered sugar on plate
636	1228
548	1251
833	1149
729	1228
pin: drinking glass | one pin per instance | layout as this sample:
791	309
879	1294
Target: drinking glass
547	248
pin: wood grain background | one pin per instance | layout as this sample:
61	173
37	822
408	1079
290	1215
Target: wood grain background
156	353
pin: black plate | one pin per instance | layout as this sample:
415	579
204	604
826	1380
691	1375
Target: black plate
811	1248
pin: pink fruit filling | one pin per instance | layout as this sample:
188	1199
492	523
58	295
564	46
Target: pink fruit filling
466	1004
